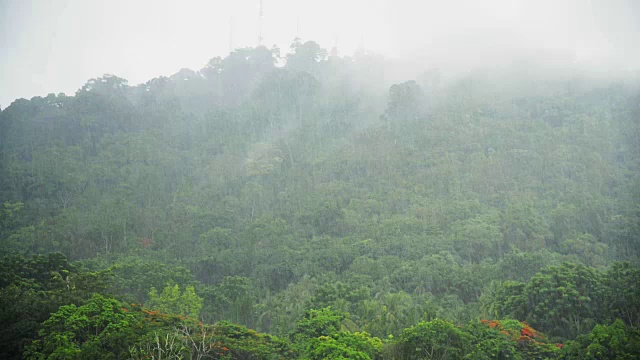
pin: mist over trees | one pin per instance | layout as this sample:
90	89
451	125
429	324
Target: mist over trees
492	214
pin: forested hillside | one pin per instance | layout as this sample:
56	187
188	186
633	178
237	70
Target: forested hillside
493	214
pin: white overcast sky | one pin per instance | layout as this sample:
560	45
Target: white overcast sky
57	45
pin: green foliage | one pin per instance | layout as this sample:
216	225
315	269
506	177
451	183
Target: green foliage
135	275
491	343
238	342
33	288
100	329
264	191
405	101
173	301
623	292
321	334
507	299
16	235
436	339
567	300
316	323
344	345
230	300
523	227
615	341
511	339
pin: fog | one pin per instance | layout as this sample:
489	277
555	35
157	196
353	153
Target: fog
280	179
56	46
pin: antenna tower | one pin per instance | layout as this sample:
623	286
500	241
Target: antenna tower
231	21
260	15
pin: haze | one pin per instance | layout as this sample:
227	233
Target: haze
51	47
366	179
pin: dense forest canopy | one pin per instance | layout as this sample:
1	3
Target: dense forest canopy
493	214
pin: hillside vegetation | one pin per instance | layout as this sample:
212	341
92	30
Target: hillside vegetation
489	215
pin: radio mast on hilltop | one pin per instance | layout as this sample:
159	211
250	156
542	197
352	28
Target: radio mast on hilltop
260	15
231	24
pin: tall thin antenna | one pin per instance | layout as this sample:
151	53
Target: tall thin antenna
230	34
334	50
260	15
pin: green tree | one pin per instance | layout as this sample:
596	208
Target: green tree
316	323
33	288
523	227
615	341
565	300
16	236
405	101
622	280
173	301
436	339
305	56
100	329
344	345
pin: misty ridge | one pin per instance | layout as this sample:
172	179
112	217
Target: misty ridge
404	181
146	39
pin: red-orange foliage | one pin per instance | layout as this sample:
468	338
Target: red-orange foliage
527	333
146	242
524	335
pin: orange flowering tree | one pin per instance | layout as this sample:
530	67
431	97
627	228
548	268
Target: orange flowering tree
511	339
